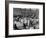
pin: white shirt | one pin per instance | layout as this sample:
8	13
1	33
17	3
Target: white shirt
18	23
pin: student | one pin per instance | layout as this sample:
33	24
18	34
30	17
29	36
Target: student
25	22
19	25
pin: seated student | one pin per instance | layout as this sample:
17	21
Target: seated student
19	25
36	24
14	23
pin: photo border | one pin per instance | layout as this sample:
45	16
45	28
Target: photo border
7	18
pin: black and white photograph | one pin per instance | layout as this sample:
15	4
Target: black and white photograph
25	19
